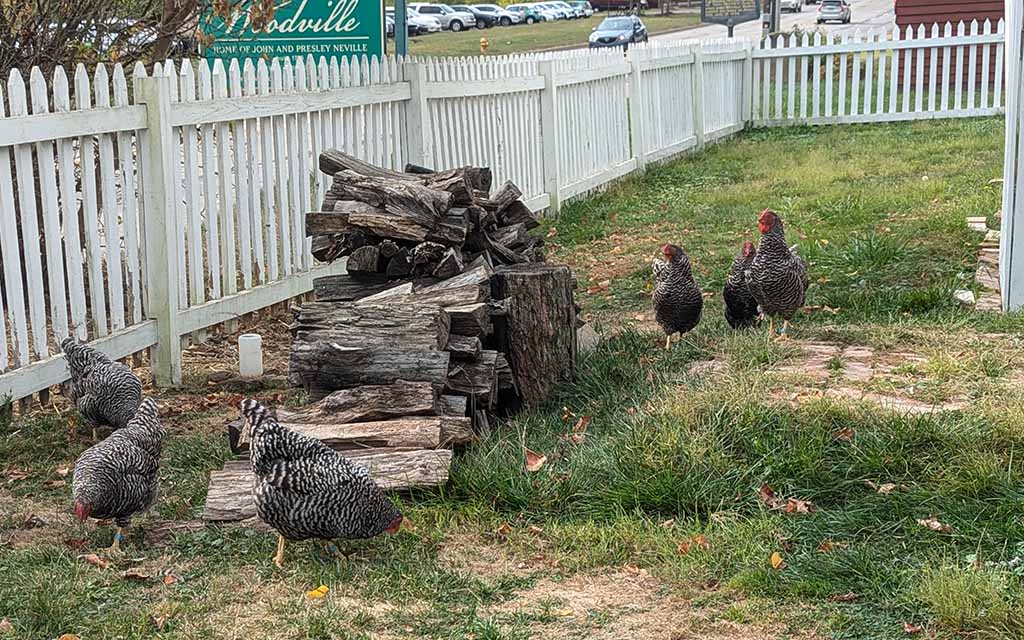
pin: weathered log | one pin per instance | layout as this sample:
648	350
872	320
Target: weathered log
364	325
518	213
506	194
229	496
453	405
456	430
540	334
391	295
448	234
461	182
512	236
399	266
388	248
323	367
450	265
503	253
465	347
415	432
407	202
506	379
470	319
417	169
479	177
345	288
333	160
476	378
364	260
368	403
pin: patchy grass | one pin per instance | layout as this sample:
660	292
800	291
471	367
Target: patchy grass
519	38
653	525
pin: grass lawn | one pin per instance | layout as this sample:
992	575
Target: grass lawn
523	37
655	524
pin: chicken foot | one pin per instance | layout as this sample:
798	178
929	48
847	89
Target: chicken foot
668	342
115	546
279	556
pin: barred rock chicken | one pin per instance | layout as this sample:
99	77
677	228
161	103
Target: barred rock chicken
117	477
777	277
740	306
677	298
304	489
104	392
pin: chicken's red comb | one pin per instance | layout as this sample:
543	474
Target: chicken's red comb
765	212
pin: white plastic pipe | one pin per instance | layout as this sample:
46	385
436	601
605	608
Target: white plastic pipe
250	355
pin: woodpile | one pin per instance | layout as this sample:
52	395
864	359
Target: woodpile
446	319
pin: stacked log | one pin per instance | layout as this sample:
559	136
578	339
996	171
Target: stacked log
421	223
446	319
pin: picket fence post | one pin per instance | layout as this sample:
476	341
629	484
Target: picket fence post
161	266
420	140
698	96
636	119
748	85
1011	250
549	135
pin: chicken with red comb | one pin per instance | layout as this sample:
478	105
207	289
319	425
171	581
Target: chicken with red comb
677	297
777	277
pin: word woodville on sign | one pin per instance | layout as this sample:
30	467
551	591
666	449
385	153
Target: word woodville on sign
329	28
729	12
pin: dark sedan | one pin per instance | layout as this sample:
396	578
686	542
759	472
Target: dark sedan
618	31
483	20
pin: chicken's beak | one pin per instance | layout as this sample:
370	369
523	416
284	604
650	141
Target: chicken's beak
395	525
82	511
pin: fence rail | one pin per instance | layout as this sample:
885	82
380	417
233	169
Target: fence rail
151	207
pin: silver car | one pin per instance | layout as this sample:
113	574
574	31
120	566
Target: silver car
503	17
834	10
796	6
448	17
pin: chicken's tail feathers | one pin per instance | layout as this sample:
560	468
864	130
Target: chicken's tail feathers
148	408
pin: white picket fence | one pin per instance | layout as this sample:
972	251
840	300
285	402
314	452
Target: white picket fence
880	77
173	202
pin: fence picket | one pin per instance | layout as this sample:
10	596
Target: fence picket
882	63
997	98
281	161
226	210
816	110
210	187
10	254
986	51
972	68
894	62
919	73
257	132
108	206
829	41
946	61
268	136
87	155
243	190
908	64
855	81
69	211
932	69
129	203
869	76
842	111
958	88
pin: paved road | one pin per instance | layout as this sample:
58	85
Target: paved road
868	15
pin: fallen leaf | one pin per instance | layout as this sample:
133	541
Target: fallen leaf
69	636
552	232
5	625
319	592
13	475
95	560
503	530
710	585
701	542
54	484
911	629
668	524
577	438
562	613
650	376
935	525
136	574
849	596
631	410
581	424
159	621
600	287
534	460
63	471
881	489
767	496
828	546
845	434
683	547
777	562
76	543
170	579
633	569
567	415
797	506
535	530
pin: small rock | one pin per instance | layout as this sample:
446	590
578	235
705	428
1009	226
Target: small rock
964	297
587	338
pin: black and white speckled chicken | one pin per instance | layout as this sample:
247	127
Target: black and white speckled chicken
740	306
305	490
677	297
116	478
778	276
104	392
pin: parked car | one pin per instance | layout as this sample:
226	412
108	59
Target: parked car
583	6
389	26
504	17
621	5
796	6
529	12
560	13
834	10
618	31
483	20
416	24
448	17
574	12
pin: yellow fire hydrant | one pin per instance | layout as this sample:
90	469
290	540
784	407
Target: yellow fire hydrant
484	45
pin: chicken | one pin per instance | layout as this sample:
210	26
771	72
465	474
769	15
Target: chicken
777	277
677	298
117	477
740	306
305	490
104	392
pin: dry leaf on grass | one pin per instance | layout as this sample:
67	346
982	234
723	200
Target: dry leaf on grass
600	287
13	475
668	524
319	592
911	629
844	435
54	484
503	530
535	530
63	471
171	578
159	621
767	496
828	546
534	460
849	596
881	489
135	574
777	562
581	424
935	525
797	506
95	560
5	625
69	636
567	415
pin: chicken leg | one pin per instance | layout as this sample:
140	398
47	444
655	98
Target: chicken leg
668	342
115	546
279	556
784	331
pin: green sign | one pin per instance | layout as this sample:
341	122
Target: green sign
329	28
